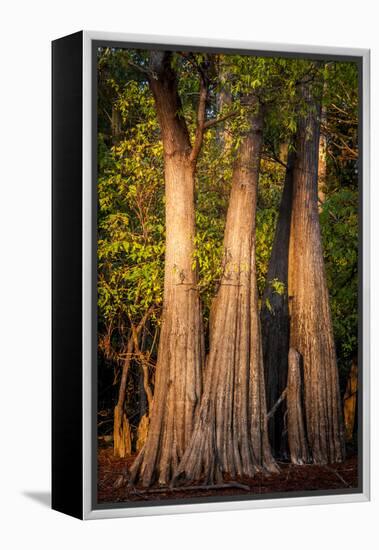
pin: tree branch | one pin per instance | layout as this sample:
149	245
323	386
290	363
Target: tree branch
214	121
145	317
232	485
140	355
273	158
140	69
275	407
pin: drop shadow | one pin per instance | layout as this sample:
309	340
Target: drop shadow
41	497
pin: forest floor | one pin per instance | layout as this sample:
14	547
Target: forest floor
113	476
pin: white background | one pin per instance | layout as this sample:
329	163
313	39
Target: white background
26	31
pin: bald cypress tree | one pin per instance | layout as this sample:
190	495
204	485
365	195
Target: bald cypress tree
230	432
180	354
311	331
275	320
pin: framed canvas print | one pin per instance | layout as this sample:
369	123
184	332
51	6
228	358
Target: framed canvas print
210	275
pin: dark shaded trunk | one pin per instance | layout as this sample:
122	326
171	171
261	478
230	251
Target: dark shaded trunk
180	352
311	332
116	125
323	152
297	438
146	396
275	317
224	100
350	401
230	433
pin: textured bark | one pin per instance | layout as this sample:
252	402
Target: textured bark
122	443
180	352
350	401
297	439
224	100
311	331
230	434
275	317
122	439
142	431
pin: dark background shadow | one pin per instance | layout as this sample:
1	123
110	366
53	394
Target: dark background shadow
42	497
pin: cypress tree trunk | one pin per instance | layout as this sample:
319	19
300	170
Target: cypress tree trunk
224	99
322	153
311	331
116	125
297	439
275	316
180	352
230	433
350	401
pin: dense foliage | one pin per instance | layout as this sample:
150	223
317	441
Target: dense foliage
131	227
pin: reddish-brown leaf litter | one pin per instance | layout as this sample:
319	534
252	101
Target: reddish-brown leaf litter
113	481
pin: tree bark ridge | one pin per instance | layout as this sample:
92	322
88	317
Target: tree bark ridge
311	331
230	432
181	348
